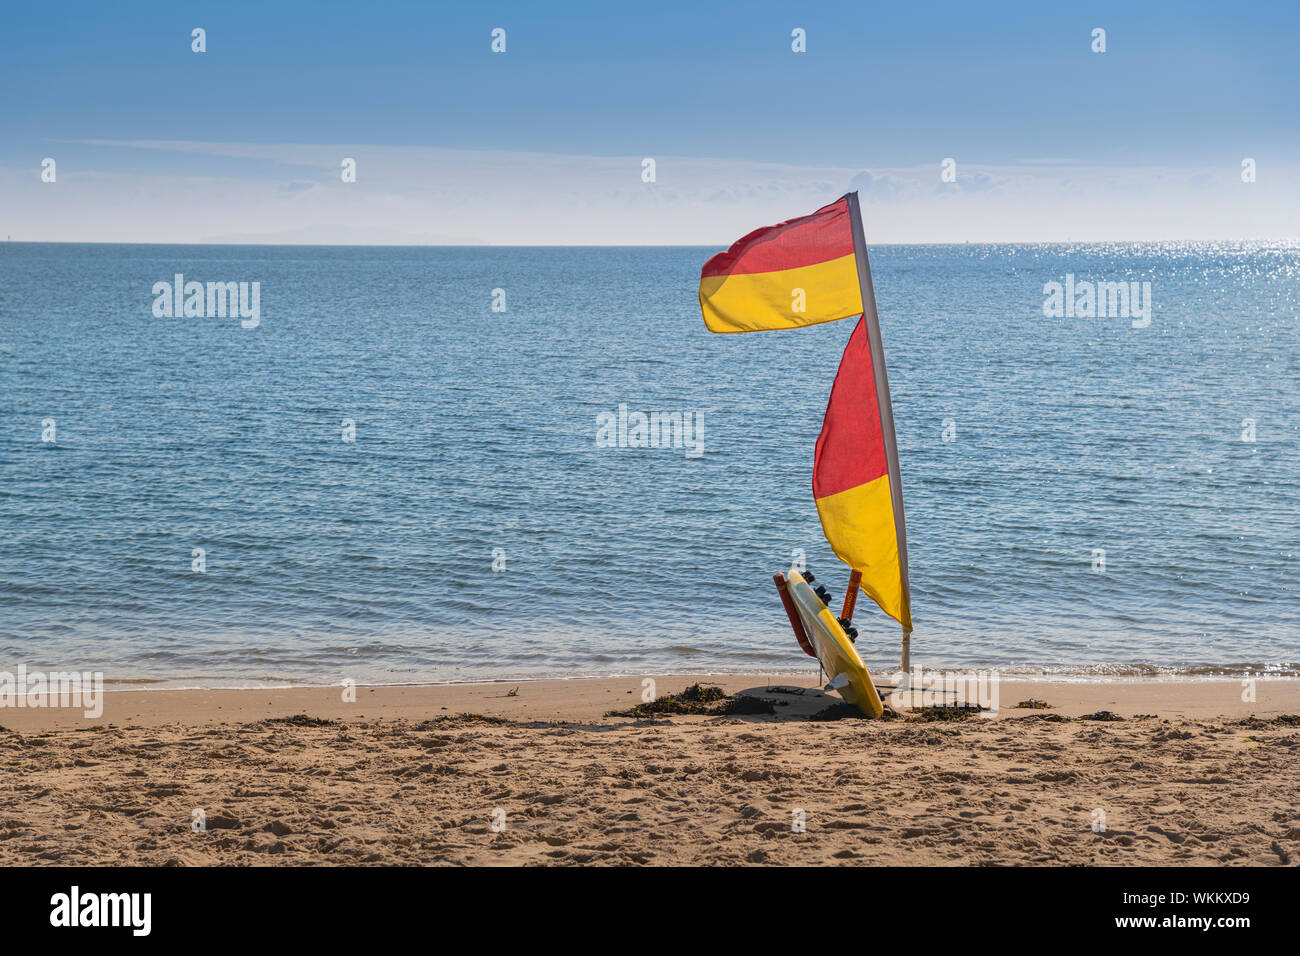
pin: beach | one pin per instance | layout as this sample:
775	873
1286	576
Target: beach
1161	772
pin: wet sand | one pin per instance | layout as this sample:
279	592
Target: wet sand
470	774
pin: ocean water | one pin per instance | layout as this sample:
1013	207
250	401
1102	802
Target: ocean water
476	430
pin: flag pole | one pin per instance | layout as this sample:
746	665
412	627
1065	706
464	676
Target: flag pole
886	407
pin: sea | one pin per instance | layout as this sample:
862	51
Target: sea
407	464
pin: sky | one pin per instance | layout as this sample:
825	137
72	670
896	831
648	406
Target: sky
546	142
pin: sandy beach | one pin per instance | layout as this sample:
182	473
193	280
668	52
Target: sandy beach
476	774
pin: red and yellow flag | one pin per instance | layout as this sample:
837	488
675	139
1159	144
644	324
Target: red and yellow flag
861	512
799	272
802	272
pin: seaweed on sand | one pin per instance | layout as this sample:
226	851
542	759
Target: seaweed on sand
744	704
946	712
1260	723
698	699
846	711
457	720
302	720
840	711
843	711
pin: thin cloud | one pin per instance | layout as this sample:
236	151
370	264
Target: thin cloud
293	192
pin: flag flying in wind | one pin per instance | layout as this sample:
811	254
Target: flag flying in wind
803	272
799	272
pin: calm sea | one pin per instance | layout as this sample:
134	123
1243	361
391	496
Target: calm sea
1083	497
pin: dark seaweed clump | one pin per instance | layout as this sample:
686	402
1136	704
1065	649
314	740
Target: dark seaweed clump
1102	715
744	704
698	699
458	720
845	711
946	712
1033	704
302	720
1260	723
841	712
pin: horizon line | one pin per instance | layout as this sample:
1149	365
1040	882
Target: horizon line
619	245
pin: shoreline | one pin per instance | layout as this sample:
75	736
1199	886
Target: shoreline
589	699
117	684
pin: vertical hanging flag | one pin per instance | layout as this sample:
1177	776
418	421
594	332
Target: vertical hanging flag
851	483
755	285
799	272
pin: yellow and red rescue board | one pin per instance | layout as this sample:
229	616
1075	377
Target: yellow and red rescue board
839	658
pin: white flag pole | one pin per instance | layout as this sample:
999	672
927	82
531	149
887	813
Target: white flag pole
886	412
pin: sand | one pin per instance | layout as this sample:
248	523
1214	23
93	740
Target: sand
404	776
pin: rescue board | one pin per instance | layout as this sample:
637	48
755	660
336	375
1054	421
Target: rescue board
847	674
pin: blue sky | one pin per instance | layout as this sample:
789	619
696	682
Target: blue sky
1184	90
